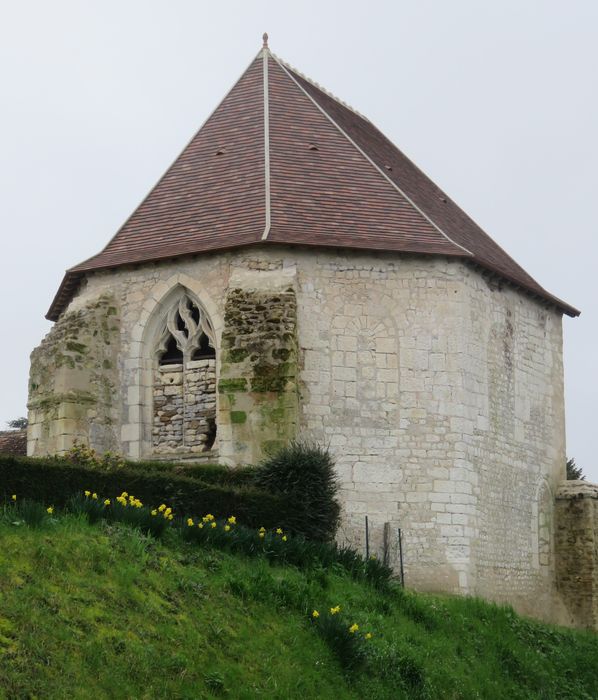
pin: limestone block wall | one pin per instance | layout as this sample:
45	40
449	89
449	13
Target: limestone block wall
439	393
514	444
577	551
143	295
73	382
442	398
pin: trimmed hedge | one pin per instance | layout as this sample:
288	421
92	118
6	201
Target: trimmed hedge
54	481
208	473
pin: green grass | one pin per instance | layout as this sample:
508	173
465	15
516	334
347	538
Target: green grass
103	611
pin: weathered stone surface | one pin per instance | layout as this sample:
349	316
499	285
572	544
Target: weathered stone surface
577	551
73	380
258	375
440	396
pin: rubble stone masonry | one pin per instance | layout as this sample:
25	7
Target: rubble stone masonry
184	407
577	551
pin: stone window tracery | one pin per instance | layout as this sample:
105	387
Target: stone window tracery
184	388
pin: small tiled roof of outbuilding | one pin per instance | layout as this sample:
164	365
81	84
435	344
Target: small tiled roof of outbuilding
281	161
13	442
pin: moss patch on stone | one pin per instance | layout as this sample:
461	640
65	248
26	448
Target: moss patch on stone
232	386
237	354
73	371
238	417
259	368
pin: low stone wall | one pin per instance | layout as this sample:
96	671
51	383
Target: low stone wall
576	547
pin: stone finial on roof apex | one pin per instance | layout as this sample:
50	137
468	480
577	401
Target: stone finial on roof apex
265	39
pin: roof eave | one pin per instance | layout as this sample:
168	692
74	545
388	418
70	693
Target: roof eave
72	278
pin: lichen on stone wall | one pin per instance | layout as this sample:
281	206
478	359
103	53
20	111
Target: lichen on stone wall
73	381
258	376
577	551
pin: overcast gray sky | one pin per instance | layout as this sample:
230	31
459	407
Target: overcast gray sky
496	101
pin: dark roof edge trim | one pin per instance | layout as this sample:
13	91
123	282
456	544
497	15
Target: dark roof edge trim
72	278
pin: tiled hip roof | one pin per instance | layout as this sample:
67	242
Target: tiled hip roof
280	161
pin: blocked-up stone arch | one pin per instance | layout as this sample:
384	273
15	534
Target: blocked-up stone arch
149	337
376	362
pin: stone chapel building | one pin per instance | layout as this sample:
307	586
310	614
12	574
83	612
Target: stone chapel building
294	274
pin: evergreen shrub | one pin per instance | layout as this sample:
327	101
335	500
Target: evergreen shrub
305	474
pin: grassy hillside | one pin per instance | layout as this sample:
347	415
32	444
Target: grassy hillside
102	611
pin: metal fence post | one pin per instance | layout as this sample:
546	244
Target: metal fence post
386	541
401	558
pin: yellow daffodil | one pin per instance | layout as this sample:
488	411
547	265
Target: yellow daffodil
200	525
213	525
284	538
50	510
138	504
226	528
315	614
354	627
94	496
154	512
168	511
124	494
262	535
232	520
107	502
87	494
209	517
368	635
262	529
279	531
162	507
190	522
14	497
171	516
336	609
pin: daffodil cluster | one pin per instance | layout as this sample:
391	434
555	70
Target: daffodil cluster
165	510
126	500
278	531
339	623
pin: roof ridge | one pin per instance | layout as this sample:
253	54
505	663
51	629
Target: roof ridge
367	157
284	64
265	88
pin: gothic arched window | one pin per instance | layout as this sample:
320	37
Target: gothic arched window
184	388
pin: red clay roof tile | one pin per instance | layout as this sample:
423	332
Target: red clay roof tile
308	171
